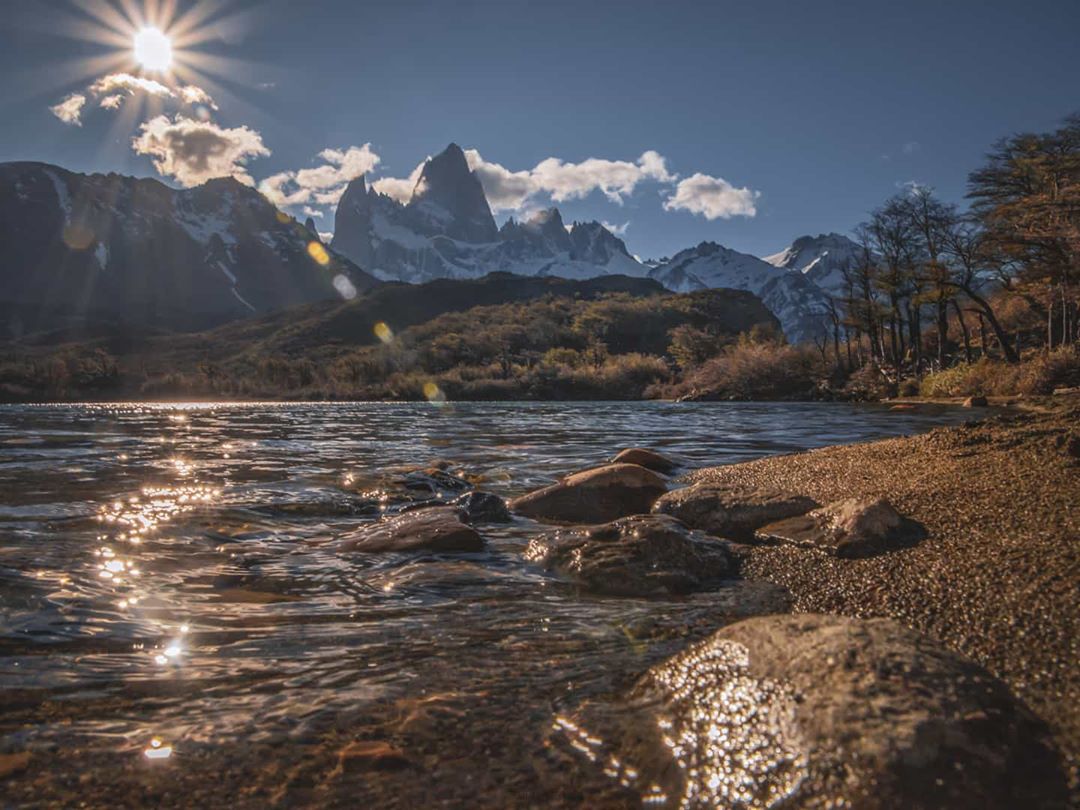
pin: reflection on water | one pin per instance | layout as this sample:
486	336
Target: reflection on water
165	580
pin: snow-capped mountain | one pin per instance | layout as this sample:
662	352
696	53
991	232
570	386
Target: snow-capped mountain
106	248
799	304
446	230
821	259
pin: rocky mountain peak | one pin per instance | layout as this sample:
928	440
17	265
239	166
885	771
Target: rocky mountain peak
449	197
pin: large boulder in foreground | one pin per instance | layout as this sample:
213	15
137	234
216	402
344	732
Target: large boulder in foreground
636	556
826	711
852	528
594	496
436	528
643	457
730	510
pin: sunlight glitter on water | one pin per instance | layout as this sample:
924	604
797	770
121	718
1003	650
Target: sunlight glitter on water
183	549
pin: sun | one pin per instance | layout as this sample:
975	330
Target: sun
153	50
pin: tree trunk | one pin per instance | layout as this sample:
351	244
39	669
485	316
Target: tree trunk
963	330
942	329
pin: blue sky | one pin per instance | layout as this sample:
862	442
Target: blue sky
800	116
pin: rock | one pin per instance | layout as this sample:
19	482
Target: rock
594	496
436	528
434	481
826	711
482	507
731	511
649	459
636	556
975	402
851	529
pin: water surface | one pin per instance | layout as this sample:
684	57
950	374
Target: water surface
165	588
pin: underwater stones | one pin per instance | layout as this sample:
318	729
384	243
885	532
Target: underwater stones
818	711
850	529
635	556
482	507
649	459
436	528
729	510
594	496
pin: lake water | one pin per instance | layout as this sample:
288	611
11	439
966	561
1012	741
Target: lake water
168	605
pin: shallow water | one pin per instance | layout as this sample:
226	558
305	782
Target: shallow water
163	577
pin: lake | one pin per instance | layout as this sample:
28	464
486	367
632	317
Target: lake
168	603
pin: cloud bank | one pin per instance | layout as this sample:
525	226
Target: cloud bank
113	88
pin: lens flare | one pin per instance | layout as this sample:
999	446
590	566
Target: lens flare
317	252
383	332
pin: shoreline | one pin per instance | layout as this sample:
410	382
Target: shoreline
996	578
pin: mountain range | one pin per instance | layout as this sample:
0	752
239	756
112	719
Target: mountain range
82	249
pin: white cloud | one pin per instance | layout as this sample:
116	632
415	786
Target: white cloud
193	94
196	151
505	190
70	109
125	82
508	190
312	212
712	197
618	230
322	185
115	85
400	189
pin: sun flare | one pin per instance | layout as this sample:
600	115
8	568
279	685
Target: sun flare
153	50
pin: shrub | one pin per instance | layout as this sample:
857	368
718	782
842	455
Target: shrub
751	370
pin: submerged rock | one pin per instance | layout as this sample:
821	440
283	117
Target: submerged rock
482	507
594	496
827	711
731	511
436	528
636	556
649	459
852	529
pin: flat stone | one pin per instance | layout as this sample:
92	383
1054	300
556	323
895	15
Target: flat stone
636	556
594	496
731	511
436	528
649	459
813	711
851	529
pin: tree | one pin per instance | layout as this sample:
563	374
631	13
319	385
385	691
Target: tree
1027	198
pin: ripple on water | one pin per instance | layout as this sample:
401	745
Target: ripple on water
165	571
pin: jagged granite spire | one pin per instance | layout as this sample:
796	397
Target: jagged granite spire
449	195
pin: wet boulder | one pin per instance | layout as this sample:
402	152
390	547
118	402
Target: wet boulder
827	711
636	556
434	481
649	459
436	528
594	496
482	507
976	402
731	510
851	529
